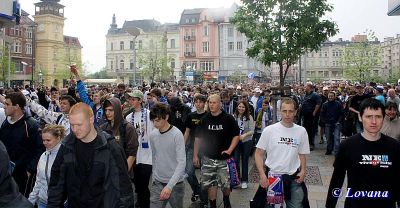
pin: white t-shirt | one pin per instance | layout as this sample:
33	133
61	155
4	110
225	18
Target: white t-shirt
143	155
283	146
254	100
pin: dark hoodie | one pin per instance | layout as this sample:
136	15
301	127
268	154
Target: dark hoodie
9	194
179	114
24	146
128	138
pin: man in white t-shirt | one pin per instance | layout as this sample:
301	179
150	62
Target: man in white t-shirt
286	145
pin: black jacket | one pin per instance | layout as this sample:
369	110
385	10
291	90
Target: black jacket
107	178
9	194
23	143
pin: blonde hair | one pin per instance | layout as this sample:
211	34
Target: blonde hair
55	130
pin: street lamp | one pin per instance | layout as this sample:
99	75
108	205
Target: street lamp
40	77
24	64
240	73
133	32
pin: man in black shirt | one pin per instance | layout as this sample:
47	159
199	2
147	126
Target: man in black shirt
191	124
355	103
309	112
371	161
216	137
90	169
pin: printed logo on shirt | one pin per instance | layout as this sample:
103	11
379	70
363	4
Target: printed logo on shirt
294	142
375	160
215	127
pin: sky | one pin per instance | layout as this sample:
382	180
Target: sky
89	20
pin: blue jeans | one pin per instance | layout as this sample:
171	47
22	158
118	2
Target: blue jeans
332	133
242	151
42	204
297	196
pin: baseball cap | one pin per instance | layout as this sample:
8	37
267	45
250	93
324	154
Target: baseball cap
325	88
135	94
379	88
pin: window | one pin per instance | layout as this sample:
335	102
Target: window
206	47
131	65
186	20
326	53
131	45
207	65
111	65
193	20
172	63
29	33
121	64
55	53
193	32
326	74
230	31
17	32
121	45
205	30
187	47
112	46
19	67
172	43
187	32
17	47
140	44
28	48
230	46
193	48
239	45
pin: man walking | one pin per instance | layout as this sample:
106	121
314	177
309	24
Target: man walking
286	145
90	169
216	138
371	161
169	160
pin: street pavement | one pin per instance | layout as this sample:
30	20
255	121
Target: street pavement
319	168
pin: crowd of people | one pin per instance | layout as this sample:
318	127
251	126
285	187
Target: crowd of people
134	146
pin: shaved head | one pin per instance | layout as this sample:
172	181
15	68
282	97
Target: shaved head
81	108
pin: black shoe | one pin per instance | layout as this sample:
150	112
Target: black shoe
328	153
311	148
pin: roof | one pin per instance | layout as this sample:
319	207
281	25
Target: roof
147	25
191	14
72	41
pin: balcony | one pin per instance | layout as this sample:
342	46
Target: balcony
189	37
189	54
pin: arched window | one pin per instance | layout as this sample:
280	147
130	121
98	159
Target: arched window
121	65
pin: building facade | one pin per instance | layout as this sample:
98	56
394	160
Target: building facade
233	58
21	43
53	50
391	55
133	59
393	7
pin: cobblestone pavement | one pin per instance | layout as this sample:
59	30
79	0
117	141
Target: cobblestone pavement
319	174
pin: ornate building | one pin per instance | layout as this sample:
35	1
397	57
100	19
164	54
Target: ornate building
53	50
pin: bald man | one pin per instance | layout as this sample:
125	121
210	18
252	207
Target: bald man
216	137
392	97
90	169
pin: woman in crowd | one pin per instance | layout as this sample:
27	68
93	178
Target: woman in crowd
391	123
52	136
243	149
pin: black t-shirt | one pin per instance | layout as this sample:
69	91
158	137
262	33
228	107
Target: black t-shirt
191	123
84	156
356	100
216	134
309	102
370	166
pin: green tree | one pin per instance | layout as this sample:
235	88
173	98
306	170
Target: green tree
281	31
360	58
154	63
4	65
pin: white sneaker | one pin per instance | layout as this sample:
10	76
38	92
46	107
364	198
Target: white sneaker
244	185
